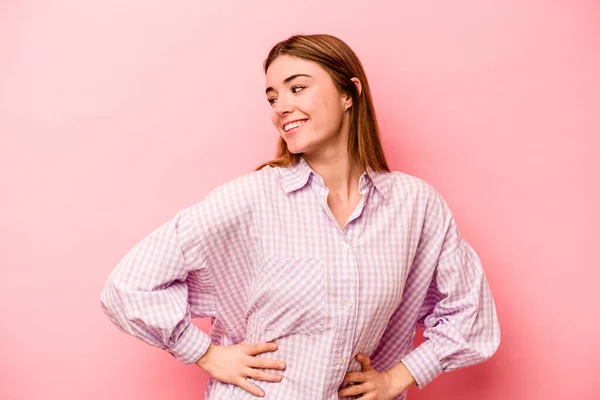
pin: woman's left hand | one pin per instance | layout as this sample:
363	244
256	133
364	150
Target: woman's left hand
371	384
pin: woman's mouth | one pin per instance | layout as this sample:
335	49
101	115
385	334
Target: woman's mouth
293	126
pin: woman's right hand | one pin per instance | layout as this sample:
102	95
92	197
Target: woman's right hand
233	364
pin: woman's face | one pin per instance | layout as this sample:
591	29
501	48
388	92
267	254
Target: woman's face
308	110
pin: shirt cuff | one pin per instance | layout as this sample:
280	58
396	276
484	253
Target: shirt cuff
423	364
191	345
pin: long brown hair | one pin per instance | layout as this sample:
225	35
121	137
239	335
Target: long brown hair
342	64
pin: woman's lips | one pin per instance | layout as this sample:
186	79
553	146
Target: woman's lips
294	130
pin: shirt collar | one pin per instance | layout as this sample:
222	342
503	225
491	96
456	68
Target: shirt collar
296	176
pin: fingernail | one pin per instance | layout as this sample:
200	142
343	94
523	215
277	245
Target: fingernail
282	365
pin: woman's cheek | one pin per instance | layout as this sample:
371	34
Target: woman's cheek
275	119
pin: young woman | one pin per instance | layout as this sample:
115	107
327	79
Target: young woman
317	267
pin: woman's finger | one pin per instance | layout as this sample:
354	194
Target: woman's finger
250	387
265	363
368	396
258	348
364	360
355	377
353	390
262	375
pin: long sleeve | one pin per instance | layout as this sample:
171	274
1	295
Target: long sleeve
148	293
458	313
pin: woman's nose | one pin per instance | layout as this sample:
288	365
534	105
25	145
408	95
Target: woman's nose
283	106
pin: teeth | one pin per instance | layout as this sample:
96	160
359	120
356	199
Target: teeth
293	125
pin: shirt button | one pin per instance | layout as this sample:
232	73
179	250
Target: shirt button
346	246
340	360
348	304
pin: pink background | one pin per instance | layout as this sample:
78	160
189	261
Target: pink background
113	115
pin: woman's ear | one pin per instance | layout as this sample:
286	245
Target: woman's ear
356	82
358	85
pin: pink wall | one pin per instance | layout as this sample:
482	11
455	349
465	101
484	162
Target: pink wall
113	115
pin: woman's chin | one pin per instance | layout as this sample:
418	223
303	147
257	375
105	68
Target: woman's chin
294	148
297	146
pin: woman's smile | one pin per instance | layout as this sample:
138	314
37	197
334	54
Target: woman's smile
294	126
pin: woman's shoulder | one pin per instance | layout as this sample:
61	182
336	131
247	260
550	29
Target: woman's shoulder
235	196
245	185
423	193
407	184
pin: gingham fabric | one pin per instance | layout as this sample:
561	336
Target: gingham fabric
265	258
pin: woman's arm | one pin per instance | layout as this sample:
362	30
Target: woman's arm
147	294
458	314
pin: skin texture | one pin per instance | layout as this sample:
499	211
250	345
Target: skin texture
323	141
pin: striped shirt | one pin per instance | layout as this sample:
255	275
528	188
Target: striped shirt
264	257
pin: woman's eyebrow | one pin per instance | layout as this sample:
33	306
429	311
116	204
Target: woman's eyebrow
289	78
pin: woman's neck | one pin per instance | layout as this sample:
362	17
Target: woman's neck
340	174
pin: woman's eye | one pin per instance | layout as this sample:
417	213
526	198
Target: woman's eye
297	87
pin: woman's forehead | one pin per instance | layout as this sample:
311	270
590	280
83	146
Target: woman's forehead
285	66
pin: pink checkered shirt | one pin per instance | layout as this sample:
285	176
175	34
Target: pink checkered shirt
265	258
